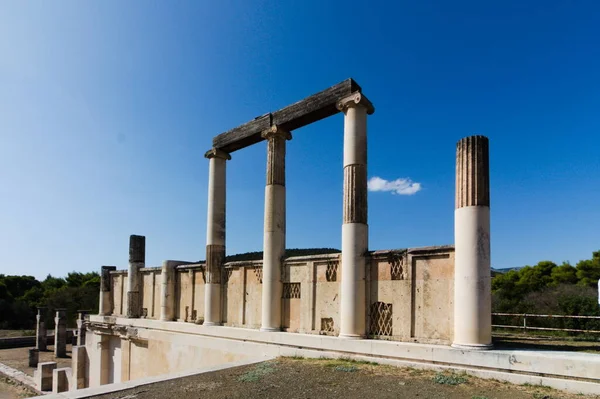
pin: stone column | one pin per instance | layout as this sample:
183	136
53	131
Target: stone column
274	228
355	233
167	291
137	258
472	276
215	236
41	333
106	295
60	333
81	327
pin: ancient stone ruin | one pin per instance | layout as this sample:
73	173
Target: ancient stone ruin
387	305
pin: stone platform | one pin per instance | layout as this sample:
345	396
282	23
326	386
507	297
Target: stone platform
178	345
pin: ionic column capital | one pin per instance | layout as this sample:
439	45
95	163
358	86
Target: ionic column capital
216	153
274	132
354	100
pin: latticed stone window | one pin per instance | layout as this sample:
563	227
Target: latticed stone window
331	272
291	290
326	325
381	319
396	262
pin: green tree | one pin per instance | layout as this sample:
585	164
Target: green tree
588	271
564	274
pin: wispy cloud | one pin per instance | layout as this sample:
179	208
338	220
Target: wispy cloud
403	186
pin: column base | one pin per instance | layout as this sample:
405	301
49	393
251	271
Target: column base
474	347
212	323
351	336
270	329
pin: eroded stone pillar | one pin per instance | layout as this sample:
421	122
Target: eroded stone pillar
81	327
41	332
215	235
355	232
472	275
274	228
137	259
106	296
34	357
60	333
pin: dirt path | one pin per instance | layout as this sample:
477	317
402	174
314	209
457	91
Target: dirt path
332	379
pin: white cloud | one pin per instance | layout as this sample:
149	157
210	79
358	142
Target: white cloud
403	186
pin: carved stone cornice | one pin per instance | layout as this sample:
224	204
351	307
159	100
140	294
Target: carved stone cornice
215	153
354	100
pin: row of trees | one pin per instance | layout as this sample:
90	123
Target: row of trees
548	288
21	295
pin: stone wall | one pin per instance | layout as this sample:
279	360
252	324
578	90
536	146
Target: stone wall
409	294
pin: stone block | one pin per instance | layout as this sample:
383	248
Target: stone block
61	379
79	368
34	357
44	376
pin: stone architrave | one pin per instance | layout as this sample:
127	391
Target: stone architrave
274	228
472	274
215	236
60	333
41	332
355	231
106	298
137	260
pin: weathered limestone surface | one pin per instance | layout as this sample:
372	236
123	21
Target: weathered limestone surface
61	379
472	289
168	300
80	368
215	235
43	375
137	259
41	332
60	333
106	294
355	232
274	228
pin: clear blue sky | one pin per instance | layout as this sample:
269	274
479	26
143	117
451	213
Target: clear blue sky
106	110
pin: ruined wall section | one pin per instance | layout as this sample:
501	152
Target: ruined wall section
409	294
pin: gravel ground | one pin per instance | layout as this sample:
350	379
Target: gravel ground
10	390
18	358
331	379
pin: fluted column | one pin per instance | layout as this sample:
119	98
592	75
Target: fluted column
137	259
274	228
472	276
355	231
215	235
106	295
